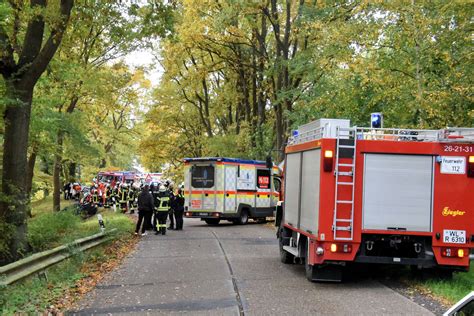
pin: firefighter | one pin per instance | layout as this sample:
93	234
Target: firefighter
114	196
95	194
108	195
102	194
162	209
178	208
123	198
134	192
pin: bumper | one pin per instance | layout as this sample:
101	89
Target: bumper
205	215
202	214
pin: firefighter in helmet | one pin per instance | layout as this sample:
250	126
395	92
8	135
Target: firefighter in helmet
95	194
161	210
123	198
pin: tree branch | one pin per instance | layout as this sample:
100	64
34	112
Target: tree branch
7	63
41	61
34	34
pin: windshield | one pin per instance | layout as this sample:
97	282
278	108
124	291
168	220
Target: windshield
202	176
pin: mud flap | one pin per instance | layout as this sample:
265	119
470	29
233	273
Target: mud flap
325	273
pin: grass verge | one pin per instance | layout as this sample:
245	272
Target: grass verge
450	291
68	280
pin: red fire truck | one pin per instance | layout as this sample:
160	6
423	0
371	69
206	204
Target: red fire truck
377	195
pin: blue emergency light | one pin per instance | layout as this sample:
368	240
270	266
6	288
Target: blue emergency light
376	120
295	133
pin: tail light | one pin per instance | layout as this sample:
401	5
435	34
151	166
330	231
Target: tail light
328	160
470	167
450	252
341	248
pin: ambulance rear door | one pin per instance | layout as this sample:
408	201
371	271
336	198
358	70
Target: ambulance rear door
203	176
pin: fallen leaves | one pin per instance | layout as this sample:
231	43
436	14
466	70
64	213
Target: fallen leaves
94	271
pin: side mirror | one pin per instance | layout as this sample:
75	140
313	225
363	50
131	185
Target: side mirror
269	162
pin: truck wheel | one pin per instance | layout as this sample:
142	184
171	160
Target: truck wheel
244	217
285	256
212	221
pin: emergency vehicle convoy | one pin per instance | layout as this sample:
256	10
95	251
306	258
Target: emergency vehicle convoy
230	189
377	195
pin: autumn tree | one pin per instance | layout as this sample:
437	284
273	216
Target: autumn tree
29	38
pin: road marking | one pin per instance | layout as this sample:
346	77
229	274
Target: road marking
234	279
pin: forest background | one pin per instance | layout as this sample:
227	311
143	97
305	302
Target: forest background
236	78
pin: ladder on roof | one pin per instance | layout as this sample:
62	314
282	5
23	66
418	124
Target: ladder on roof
346	141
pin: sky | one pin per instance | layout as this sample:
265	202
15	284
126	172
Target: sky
146	58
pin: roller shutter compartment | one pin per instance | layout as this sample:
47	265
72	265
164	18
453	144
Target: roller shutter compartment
398	192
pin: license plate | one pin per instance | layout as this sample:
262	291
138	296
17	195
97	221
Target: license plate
454	236
203	214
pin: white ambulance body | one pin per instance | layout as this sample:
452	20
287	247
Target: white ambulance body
230	189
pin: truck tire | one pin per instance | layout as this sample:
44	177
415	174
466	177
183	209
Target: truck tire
244	217
212	221
285	256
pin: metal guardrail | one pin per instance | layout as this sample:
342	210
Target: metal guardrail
39	262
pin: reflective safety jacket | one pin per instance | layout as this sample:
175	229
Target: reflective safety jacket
123	196
163	204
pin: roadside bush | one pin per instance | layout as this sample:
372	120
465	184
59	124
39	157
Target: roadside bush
47	230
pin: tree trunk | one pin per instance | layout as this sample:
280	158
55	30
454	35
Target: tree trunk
14	202
58	157
280	131
72	171
31	169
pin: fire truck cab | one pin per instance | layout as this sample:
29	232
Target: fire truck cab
230	189
377	195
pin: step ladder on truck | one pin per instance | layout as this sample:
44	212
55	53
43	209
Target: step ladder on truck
377	195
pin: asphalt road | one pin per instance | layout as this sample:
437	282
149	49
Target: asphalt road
230	270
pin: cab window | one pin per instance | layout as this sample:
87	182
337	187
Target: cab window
277	184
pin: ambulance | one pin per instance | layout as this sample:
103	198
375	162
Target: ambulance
377	195
230	189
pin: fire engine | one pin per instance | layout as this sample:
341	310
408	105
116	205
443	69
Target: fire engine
377	195
230	189
115	177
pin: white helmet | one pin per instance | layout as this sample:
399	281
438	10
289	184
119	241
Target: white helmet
162	188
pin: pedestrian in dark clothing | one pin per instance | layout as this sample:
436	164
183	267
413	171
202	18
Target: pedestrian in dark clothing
145	209
171	211
66	191
178	208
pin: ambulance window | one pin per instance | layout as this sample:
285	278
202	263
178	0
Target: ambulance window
263	178
202	176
